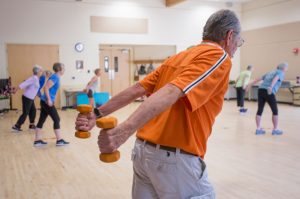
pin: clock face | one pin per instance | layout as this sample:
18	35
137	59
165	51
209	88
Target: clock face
79	47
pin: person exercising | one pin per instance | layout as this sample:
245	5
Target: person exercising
267	90
48	108
91	87
31	87
173	124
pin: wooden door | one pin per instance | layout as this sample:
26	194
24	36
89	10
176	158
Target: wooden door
21	59
121	70
114	64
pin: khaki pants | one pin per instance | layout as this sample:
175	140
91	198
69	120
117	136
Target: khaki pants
168	175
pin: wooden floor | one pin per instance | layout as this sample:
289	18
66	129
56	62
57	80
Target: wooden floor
241	165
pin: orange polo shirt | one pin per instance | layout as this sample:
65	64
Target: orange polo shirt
202	73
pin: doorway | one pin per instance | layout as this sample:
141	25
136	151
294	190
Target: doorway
115	69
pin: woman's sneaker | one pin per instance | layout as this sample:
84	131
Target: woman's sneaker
62	142
39	143
243	111
260	132
277	132
16	129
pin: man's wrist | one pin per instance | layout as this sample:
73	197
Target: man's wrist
98	113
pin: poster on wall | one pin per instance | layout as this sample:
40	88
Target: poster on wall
79	65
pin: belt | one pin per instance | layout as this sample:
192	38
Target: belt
166	148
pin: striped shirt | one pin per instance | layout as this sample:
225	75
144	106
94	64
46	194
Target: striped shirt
202	73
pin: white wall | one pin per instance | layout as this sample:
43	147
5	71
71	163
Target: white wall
63	23
263	13
271	34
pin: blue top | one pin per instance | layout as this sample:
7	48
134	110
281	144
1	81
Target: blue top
268	78
53	90
42	82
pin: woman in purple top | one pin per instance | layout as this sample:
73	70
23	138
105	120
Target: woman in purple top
30	87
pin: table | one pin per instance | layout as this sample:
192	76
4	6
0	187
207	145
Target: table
70	93
293	88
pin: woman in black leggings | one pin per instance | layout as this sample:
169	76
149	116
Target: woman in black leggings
48	108
30	87
266	93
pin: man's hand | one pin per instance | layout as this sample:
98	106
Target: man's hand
85	122
109	140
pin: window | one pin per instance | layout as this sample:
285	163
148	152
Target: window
106	64
116	64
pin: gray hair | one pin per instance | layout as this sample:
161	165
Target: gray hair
282	65
36	69
249	67
218	25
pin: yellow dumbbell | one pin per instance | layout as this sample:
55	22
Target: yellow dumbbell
83	109
108	123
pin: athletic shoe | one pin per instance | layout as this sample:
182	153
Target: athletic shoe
243	111
16	129
260	132
32	126
39	143
61	142
277	132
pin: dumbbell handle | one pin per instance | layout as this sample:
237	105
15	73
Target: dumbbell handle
83	109
108	123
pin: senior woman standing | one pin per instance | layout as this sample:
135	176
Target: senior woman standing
30	87
270	85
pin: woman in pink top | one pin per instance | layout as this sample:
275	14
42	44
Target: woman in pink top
30	87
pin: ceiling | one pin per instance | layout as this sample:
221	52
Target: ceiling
155	3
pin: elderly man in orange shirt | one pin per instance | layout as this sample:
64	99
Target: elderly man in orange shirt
185	95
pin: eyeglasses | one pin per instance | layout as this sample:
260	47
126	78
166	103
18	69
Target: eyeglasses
241	42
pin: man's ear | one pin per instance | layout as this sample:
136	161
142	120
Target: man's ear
229	37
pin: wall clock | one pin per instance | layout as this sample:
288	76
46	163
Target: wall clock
79	47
